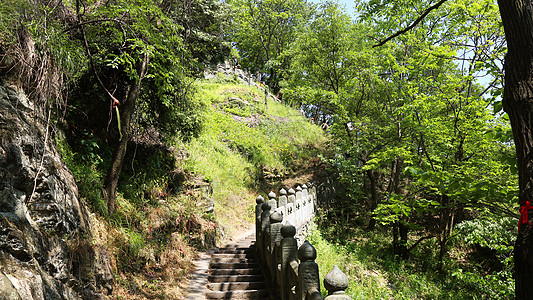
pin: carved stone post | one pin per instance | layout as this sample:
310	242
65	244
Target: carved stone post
336	283
275	238
315	198
291	199
289	252
299	206
305	201
282	203
290	214
265	228
308	276
258	210
272	201
311	203
311	197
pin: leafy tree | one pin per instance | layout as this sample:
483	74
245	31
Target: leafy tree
203	27
263	32
517	20
517	23
323	62
137	57
409	117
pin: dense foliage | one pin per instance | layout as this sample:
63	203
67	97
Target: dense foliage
416	125
418	137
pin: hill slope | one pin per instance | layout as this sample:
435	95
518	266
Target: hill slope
246	147
178	196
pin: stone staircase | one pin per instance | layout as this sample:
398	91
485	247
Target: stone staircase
234	273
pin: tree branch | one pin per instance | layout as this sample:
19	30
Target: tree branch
419	241
413	25
86	46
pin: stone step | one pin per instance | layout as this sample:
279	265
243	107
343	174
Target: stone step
231	260
235	250
250	239
249	271
242	265
239	245
233	255
236	286
235	274
235	278
249	294
245	243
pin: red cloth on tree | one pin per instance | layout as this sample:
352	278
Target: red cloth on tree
524	214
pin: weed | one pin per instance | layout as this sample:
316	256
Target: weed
376	273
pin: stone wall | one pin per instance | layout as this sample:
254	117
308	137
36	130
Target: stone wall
42	222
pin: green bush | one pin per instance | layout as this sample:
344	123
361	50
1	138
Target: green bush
85	166
376	273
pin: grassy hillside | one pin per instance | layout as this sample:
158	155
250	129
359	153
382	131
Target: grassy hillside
167	188
245	147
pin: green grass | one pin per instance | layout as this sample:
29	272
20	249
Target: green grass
375	273
241	140
158	224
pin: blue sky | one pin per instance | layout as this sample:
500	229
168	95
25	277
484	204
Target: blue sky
348	4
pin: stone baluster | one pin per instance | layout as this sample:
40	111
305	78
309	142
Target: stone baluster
275	229
314	201
311	201
289	219
258	210
315	198
336	282
275	238
282	203
272	201
308	276
310	194
289	253
299	207
265	228
305	211
291	205
305	200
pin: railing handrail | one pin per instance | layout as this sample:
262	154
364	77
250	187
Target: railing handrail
292	270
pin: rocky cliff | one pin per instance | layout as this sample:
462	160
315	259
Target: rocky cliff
44	253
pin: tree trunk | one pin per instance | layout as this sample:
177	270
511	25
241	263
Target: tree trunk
402	246
399	245
399	239
374	201
442	250
517	18
126	112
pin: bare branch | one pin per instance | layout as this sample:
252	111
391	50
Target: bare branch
413	25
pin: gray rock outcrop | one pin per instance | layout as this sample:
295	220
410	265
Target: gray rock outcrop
41	218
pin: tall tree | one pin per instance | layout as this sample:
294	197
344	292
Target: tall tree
415	106
134	49
263	32
517	18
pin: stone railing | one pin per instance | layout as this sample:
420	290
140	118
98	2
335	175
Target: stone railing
291	270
